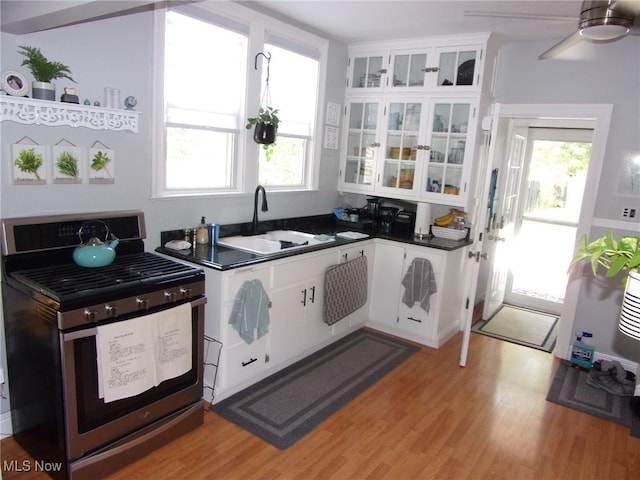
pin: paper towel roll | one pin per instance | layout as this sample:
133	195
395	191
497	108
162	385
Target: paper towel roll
423	219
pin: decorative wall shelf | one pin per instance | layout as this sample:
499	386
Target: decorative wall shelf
41	112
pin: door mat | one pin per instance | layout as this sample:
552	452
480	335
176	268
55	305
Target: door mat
522	326
284	407
570	389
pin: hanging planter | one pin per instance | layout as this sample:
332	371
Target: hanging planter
265	124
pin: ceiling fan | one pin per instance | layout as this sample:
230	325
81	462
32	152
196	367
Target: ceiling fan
600	21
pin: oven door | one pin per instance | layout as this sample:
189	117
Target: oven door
92	423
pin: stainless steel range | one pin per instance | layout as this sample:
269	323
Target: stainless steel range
104	363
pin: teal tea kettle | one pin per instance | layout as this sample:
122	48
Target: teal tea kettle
95	252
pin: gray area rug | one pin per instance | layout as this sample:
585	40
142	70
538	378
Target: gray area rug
284	407
570	388
522	326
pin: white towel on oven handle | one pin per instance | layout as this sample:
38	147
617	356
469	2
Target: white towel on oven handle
137	354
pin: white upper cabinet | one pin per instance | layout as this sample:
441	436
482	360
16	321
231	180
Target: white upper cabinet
409	70
457	68
447	165
425	65
411	118
367	72
361	144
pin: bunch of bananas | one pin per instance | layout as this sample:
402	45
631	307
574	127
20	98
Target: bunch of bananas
445	220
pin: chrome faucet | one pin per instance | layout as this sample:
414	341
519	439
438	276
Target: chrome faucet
265	207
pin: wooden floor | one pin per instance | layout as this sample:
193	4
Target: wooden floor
429	418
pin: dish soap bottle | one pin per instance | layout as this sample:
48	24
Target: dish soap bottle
202	233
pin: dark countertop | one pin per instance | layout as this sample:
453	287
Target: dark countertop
223	258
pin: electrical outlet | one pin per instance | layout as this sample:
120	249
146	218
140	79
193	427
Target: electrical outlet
629	213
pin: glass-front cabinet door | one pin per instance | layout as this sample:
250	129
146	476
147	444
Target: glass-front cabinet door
361	145
403	133
457	67
448	161
367	72
408	70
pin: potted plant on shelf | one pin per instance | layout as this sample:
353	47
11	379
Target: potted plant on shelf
43	71
622	255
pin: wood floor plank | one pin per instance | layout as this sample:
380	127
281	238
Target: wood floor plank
427	419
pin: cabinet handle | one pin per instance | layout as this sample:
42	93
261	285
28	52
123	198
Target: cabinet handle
244	364
313	294
414	319
304	297
345	256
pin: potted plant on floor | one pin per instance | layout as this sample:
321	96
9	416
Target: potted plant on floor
617	256
43	71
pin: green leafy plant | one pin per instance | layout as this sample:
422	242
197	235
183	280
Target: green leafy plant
68	164
100	161
42	69
614	255
29	161
266	115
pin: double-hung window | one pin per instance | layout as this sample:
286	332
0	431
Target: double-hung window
293	86
213	79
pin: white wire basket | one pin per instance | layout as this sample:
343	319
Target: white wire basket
449	233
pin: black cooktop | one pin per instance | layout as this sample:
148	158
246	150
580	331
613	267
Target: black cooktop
69	281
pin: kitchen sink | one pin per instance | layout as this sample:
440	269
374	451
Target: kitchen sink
274	242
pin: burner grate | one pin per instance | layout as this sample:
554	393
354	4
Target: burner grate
70	281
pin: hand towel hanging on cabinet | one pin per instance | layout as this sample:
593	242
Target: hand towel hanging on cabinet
250	311
419	283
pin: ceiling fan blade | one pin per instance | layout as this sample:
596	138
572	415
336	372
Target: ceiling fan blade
521	16
570	41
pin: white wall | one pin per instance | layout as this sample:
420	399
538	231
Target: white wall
610	75
117	53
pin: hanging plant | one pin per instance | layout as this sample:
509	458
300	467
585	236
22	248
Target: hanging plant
265	124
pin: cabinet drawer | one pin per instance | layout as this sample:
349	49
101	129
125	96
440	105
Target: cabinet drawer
416	321
236	278
242	362
298	271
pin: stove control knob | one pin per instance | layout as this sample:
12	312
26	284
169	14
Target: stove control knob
111	311
185	292
169	296
142	303
90	315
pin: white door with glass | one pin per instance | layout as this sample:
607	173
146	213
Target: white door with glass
500	227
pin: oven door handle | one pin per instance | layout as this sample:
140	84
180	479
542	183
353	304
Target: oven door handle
92	332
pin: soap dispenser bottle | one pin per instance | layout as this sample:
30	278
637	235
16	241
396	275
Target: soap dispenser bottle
202	233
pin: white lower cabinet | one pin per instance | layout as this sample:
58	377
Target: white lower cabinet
400	268
295	287
297	299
